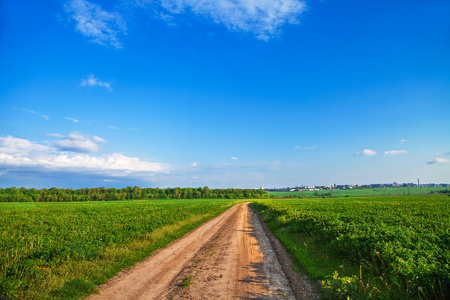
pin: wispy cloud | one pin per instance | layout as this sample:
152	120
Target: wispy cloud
99	26
443	153
264	19
438	160
366	152
77	142
305	148
91	80
31	112
230	174
403	141
57	135
25	109
114	127
72	119
233	158
395	152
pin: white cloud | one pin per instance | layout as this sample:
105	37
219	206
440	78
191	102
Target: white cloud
194	164
100	26
107	162
366	152
403	141
114	127
439	161
91	80
233	158
21	153
98	139
72	119
12	145
263	18
77	142
395	152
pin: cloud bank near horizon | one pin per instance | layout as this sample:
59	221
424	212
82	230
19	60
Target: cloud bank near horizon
61	161
21	154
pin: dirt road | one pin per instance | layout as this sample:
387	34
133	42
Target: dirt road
228	257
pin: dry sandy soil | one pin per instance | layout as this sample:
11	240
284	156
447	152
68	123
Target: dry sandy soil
231	256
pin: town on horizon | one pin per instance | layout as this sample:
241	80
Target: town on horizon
352	186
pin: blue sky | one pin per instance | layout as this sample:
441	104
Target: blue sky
231	93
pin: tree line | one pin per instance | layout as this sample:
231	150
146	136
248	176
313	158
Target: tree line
13	194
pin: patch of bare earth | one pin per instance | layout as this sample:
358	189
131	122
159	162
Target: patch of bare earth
231	256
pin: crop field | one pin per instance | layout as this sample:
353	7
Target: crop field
362	192
380	247
63	250
394	247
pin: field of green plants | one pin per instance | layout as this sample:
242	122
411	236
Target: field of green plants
394	247
63	250
362	192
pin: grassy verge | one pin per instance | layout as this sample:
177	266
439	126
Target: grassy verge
368	248
64	250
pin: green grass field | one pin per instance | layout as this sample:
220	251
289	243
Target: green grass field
395	247
362	192
63	250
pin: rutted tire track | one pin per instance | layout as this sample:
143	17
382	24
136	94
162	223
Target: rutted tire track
228	257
